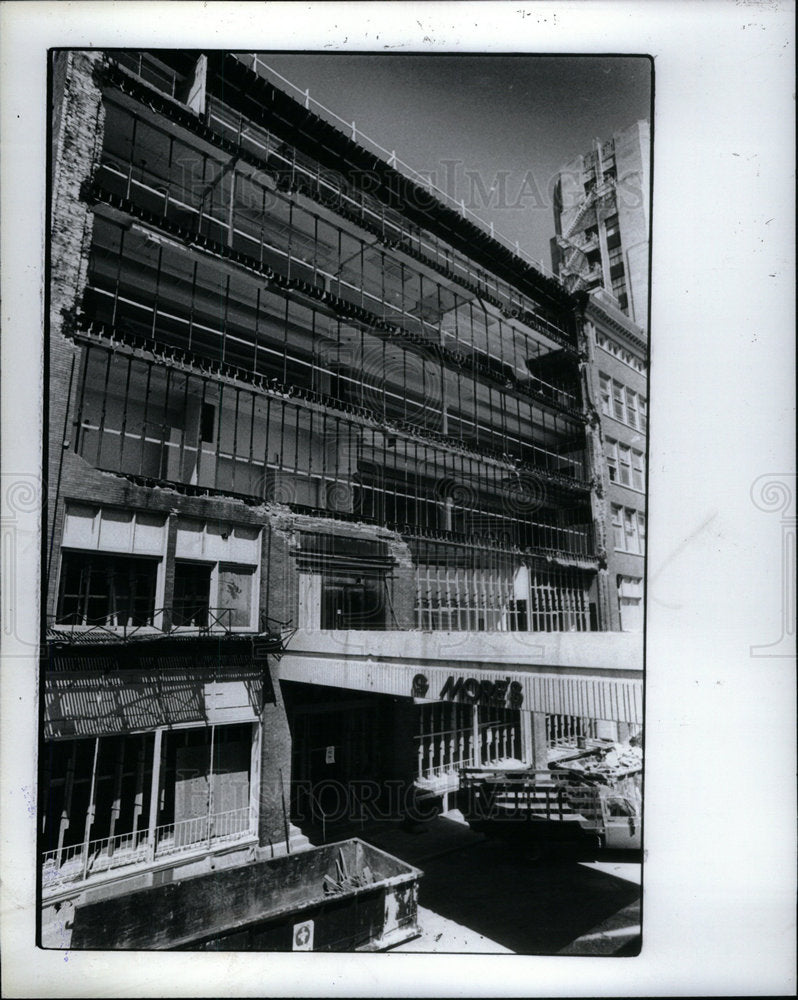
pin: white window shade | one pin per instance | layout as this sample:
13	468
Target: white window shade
630	586
217	542
111	529
630	603
81	527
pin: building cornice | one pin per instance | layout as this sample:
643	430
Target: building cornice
604	314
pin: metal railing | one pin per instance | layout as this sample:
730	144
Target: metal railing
568	730
77	862
168	84
193	620
453	749
359	136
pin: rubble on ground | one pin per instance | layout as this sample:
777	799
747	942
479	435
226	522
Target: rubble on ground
606	763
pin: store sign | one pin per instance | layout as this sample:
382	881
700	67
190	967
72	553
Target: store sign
505	693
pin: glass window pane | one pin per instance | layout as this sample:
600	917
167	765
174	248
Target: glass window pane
235	596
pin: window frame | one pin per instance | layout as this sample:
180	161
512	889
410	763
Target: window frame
628	528
605	392
624	458
619	401
617	527
88	558
95	544
215	566
638	470
611	454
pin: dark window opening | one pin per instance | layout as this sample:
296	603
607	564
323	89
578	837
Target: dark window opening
518	618
106	590
617	271
191	594
208	422
353	602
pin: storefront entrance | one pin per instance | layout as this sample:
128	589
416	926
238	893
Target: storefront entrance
337	748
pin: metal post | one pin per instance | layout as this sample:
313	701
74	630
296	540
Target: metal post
210	786
91	808
475	735
155	794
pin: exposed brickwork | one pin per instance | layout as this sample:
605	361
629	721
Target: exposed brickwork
597	471
77	139
275	764
601	428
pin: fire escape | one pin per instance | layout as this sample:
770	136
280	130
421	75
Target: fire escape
578	270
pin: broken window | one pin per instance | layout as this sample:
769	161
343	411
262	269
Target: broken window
101	793
208	594
109	590
117	771
216	572
235	595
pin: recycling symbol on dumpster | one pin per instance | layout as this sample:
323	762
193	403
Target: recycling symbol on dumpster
303	936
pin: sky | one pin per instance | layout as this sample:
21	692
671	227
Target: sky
492	130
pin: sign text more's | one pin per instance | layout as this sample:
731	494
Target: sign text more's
471	690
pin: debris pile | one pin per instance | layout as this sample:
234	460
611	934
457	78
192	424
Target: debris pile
607	764
346	881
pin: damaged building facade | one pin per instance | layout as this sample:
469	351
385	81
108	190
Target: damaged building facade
324	508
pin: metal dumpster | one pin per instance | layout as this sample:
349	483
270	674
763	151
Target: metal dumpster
299	902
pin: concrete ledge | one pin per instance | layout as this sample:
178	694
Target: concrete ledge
618	652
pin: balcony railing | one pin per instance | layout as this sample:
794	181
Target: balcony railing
239	132
195	620
569	730
441	755
68	865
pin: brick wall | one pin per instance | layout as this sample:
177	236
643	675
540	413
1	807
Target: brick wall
77	138
275	767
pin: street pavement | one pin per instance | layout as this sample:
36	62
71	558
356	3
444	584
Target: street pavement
483	896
